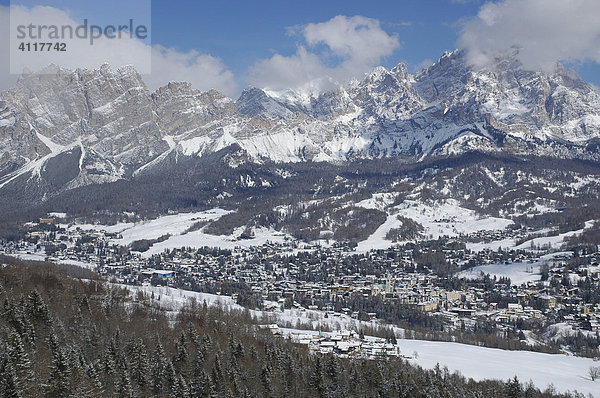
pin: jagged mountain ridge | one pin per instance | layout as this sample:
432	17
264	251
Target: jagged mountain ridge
118	128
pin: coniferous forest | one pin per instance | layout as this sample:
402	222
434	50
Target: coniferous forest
64	333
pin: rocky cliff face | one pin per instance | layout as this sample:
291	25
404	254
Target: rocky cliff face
110	120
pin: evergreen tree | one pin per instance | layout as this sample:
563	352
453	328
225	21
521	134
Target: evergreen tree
59	380
123	387
38	310
139	365
184	391
19	359
159	369
513	388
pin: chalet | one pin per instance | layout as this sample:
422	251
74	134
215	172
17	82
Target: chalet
163	274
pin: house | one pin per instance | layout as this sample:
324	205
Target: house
548	301
163	274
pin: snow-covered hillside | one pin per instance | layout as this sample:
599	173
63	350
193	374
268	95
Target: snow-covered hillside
565	373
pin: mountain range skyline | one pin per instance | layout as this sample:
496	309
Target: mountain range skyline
117	128
318	47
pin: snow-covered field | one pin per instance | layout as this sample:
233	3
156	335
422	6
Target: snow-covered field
448	218
197	239
377	239
151	229
177	227
553	242
565	373
438	219
546	242
173	299
507	243
42	257
519	272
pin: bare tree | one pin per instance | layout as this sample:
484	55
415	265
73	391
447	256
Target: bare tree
594	372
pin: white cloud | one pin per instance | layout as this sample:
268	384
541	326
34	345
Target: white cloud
333	51
6	79
426	63
158	65
201	70
543	31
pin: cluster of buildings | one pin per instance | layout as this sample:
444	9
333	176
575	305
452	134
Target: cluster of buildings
344	343
328	278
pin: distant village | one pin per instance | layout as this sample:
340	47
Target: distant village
337	280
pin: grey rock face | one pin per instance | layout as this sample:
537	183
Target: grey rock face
121	128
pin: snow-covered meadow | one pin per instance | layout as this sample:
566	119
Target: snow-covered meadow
446	218
177	227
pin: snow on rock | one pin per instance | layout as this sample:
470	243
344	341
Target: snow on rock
445	109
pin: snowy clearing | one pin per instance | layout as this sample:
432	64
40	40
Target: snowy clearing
177	227
448	218
565	373
43	257
519	272
444	218
198	239
553	242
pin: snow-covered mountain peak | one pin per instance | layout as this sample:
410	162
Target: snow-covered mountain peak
254	102
448	108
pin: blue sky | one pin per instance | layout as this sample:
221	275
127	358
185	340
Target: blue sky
243	32
230	44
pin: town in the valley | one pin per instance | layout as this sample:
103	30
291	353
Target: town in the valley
534	297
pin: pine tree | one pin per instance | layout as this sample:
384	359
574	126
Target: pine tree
139	365
217	372
123	388
8	380
59	380
184	391
180	360
159	368
200	386
94	377
513	388
265	378
20	361
172	379
38	310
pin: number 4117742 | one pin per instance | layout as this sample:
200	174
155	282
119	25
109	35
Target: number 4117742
26	46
